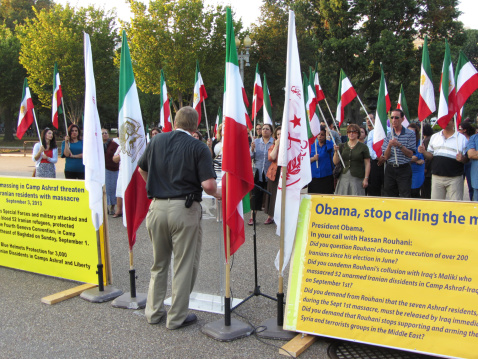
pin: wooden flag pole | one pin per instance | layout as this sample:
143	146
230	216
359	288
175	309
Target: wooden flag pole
315	143
332	137
280	294
205	114
36	124
421	132
366	112
64	117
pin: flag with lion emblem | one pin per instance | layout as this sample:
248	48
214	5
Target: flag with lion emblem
133	144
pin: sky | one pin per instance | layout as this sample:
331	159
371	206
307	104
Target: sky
249	10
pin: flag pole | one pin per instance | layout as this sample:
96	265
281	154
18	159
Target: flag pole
227	302
64	116
332	137
456	130
316	162
421	132
205	114
363	107
36	124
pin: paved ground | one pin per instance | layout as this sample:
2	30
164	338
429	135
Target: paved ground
78	329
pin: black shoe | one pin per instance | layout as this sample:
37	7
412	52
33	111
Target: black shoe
190	319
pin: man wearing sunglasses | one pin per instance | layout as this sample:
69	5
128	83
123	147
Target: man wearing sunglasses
398	149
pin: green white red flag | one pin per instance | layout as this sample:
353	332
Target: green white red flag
318	89
311	108
133	143
56	108
380	131
238	179
345	96
466	80
25	117
426	101
402	105
267	104
294	152
164	109
447	106
93	153
258	94
199	92
218	121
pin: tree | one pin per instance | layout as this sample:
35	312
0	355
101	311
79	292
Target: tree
11	79
172	35
57	35
16	11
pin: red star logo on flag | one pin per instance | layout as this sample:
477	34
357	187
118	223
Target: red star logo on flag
296	121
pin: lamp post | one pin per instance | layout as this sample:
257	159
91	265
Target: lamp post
243	57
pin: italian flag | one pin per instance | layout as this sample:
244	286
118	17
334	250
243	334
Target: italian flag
345	96
447	106
133	143
426	101
379	132
199	92
294	153
164	110
56	108
402	105
258	94
267	104
25	117
238	180
218	121
466	80
318	89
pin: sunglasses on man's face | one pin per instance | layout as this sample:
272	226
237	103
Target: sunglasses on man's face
395	117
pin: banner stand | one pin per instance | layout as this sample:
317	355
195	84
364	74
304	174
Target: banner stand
131	300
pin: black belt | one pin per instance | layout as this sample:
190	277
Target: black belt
173	198
393	164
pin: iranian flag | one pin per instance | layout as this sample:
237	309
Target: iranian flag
345	96
426	101
218	121
311	108
318	89
402	105
258	94
164	110
466	80
199	92
267	104
56	108
294	153
447	106
238	180
380	131
25	117
133	143
93	153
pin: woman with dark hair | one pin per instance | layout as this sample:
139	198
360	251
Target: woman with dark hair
426	190
363	134
273	175
72	150
45	155
154	131
417	163
259	154
354	177
197	135
321	153
467	129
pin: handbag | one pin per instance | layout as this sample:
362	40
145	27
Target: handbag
337	170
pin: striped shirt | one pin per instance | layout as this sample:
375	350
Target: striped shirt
407	138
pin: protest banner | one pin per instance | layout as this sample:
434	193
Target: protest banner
391	272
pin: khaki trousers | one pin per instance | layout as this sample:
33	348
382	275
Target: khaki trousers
173	229
447	187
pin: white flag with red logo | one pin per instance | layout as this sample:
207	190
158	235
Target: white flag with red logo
294	147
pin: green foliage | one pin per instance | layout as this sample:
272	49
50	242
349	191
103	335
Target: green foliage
16	11
172	35
57	35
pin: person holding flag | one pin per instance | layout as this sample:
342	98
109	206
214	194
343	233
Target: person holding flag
175	183
45	155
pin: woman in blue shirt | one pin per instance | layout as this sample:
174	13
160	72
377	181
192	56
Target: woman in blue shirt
321	154
418	164
72	150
